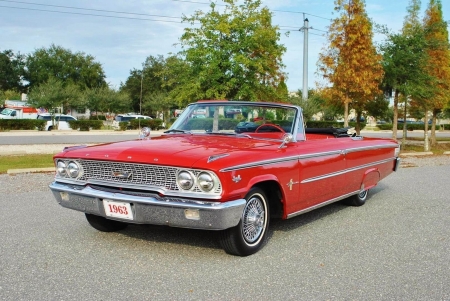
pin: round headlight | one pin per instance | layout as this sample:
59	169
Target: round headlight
61	168
185	180
145	133
73	169
205	181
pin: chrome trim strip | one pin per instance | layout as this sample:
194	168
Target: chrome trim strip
259	163
333	174
364	148
323	204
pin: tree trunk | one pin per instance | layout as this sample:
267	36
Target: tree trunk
395	121
433	128
405	128
346	113
358	123
426	144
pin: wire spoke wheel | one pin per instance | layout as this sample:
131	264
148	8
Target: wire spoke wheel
253	220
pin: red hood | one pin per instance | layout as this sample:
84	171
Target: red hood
179	150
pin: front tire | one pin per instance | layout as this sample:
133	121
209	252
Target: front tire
103	224
250	235
358	199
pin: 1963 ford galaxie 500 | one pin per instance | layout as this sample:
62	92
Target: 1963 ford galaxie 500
227	172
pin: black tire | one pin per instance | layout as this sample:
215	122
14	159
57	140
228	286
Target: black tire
357	199
250	235
50	128
103	224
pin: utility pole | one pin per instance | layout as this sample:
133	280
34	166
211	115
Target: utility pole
140	97
305	57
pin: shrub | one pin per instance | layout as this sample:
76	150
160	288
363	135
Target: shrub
22	124
97	117
86	125
154	124
329	124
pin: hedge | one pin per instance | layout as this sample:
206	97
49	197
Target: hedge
133	124
86	125
409	126
329	124
22	124
207	123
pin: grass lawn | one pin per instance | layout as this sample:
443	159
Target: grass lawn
25	161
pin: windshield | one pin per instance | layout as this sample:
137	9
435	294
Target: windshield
6	112
252	119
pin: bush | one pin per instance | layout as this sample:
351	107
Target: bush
22	124
86	125
97	117
154	124
207	123
329	124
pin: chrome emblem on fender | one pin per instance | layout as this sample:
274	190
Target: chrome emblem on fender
237	179
122	174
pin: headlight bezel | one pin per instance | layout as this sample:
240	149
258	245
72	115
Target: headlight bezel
197	176
68	169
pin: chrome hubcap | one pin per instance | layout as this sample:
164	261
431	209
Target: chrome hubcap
253	220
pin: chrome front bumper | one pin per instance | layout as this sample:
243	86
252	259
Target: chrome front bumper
154	209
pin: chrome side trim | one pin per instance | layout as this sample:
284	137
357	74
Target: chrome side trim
306	156
333	174
259	163
323	204
364	148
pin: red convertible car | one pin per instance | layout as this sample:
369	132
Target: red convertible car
225	172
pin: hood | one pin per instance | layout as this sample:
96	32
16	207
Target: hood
177	150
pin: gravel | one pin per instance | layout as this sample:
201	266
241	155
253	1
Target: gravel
419	161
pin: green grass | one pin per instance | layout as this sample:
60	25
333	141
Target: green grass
439	149
25	161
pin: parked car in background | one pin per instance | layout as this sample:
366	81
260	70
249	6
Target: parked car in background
127	117
230	175
61	121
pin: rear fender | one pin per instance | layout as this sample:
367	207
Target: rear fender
370	179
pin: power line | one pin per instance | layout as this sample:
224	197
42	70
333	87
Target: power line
89	9
86	14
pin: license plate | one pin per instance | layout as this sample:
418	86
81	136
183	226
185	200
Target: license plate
118	209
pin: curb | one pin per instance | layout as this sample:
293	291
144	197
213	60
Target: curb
30	170
416	154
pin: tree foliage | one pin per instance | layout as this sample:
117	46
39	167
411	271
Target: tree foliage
59	63
233	54
438	66
54	94
350	62
11	71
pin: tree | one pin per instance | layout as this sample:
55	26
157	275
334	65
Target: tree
309	106
438	65
234	54
53	94
11	71
351	63
404	61
59	63
105	99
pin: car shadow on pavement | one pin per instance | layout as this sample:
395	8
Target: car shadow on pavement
209	239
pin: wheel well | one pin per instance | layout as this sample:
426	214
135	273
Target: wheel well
273	193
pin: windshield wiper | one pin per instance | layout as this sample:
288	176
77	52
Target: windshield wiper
177	131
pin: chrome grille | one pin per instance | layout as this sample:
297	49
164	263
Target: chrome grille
140	174
133	175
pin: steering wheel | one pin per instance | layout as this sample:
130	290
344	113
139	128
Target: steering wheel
272	125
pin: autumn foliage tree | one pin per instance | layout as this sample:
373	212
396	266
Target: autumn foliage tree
438	65
351	63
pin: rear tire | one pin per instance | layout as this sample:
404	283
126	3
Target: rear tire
357	199
250	235
50	128
103	224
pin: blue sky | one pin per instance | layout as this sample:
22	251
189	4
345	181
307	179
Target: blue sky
121	42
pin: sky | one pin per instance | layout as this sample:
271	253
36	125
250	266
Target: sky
120	34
